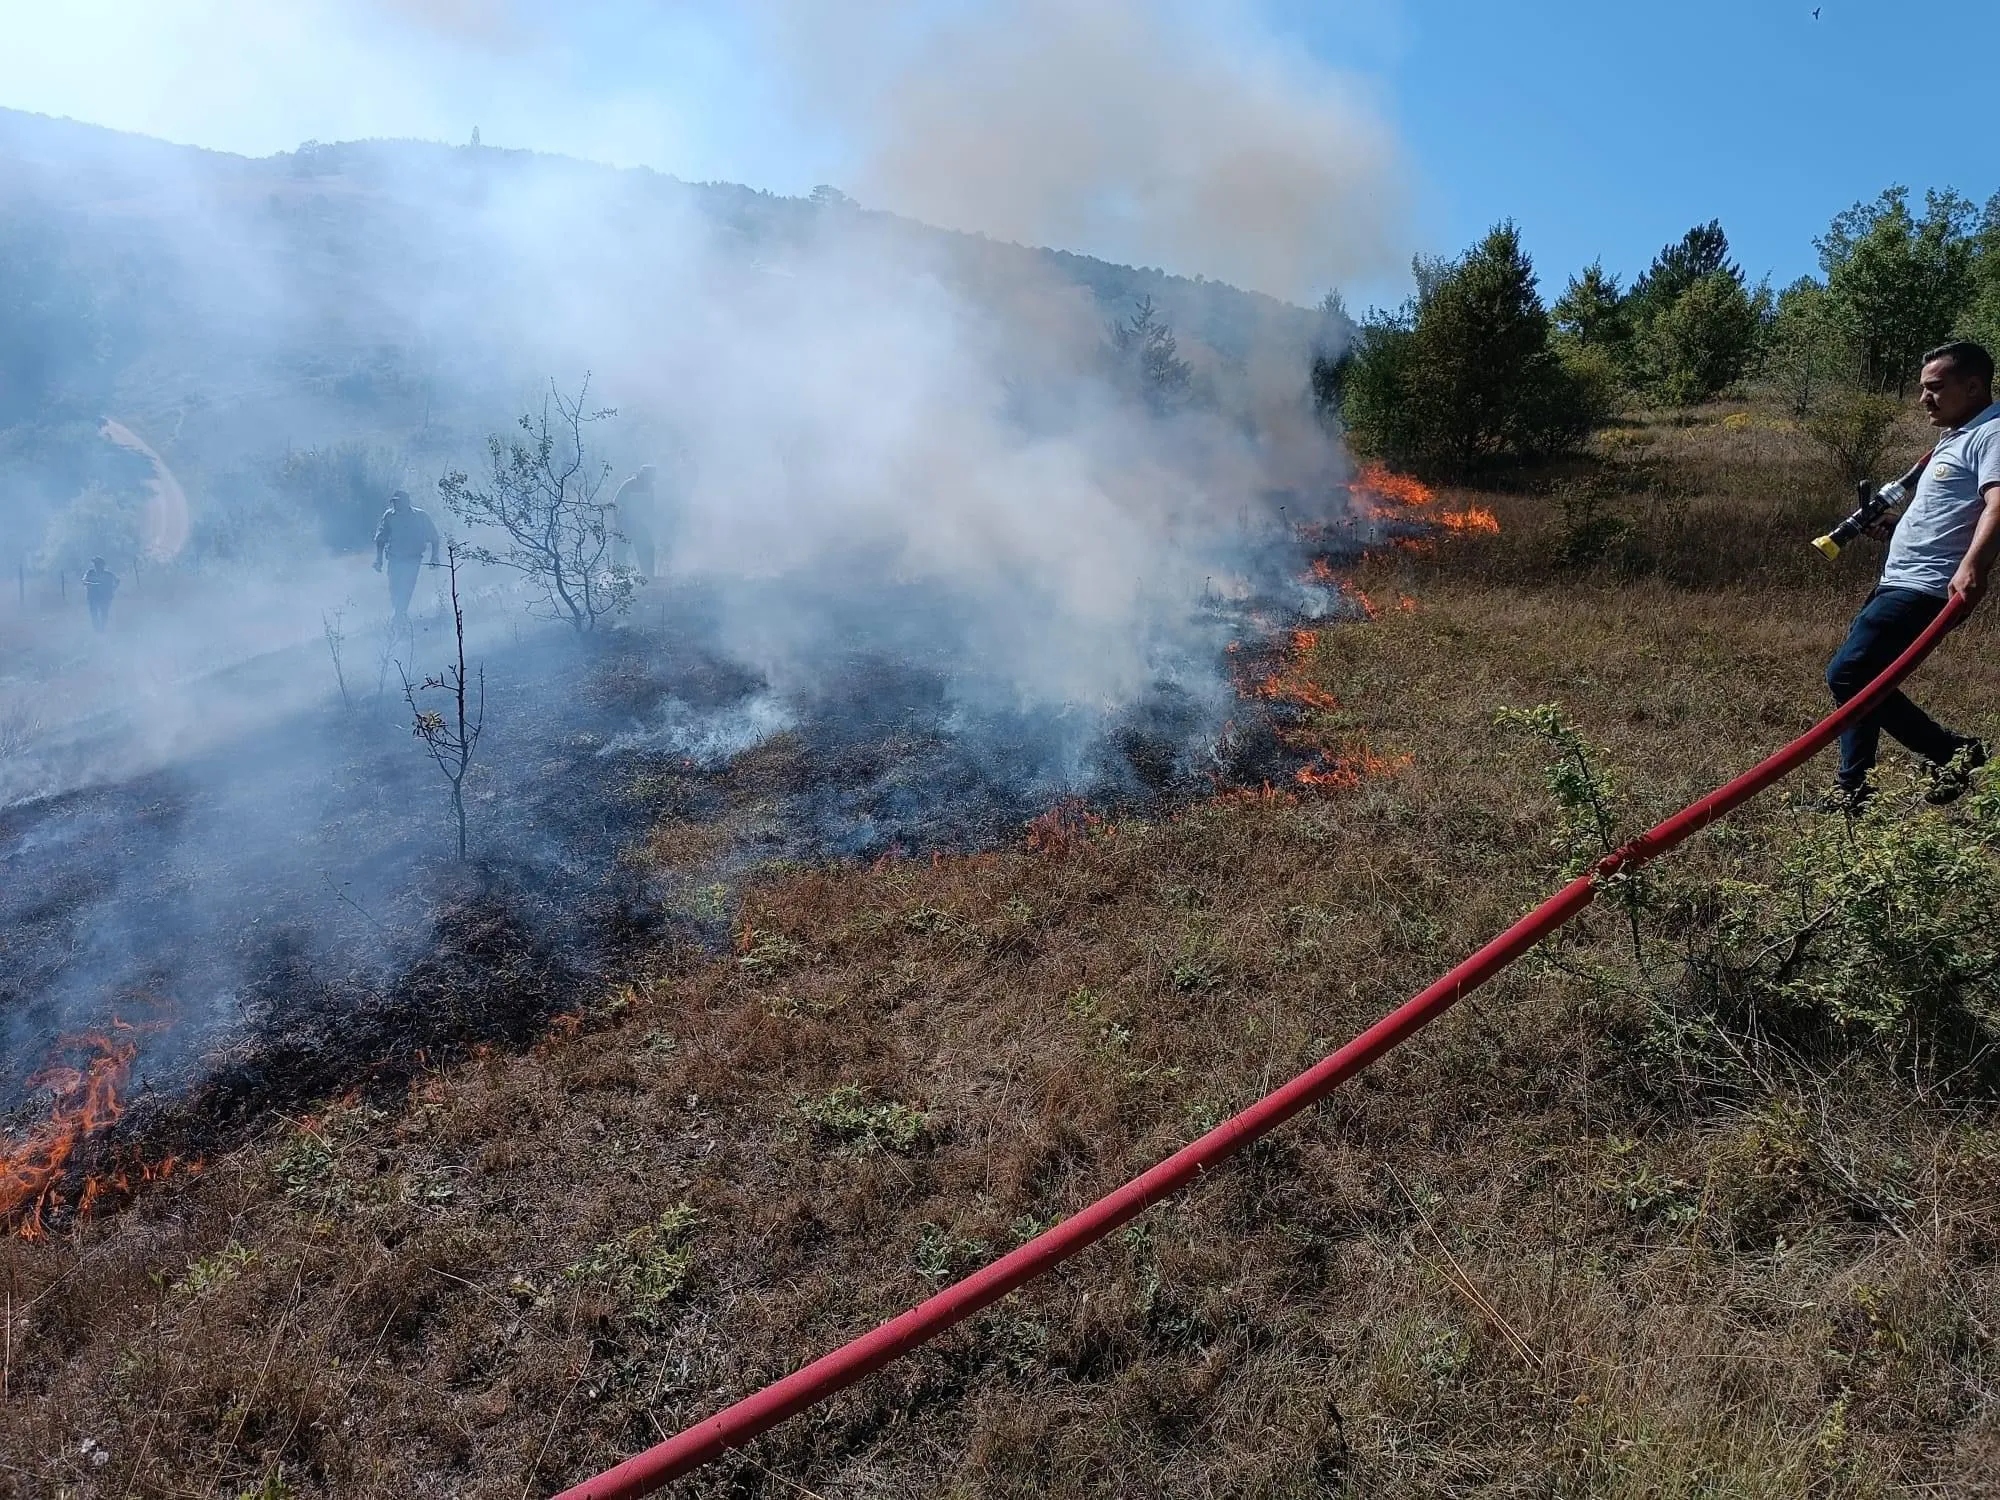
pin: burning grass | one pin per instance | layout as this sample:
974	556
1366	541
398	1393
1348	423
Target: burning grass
85	1086
1399	501
1305	713
1553	1244
84	1097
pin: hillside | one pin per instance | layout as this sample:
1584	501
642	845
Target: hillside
221	301
1703	1201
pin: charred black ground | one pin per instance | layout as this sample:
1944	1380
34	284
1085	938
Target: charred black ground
348	951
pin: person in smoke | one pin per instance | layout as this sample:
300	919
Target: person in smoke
1943	545
402	538
99	584
633	518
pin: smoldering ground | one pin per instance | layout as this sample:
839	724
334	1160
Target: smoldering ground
939	557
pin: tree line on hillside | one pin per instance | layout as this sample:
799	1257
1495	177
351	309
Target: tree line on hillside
1475	367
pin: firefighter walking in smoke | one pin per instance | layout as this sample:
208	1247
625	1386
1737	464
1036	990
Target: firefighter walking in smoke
402	537
99	584
632	518
1944	544
646	515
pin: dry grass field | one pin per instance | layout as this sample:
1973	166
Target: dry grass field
1658	1214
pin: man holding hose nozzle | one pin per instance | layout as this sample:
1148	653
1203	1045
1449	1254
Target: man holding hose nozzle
1944	544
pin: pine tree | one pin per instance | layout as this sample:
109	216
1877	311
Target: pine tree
1145	360
1592	310
1466	372
1695	323
1700	253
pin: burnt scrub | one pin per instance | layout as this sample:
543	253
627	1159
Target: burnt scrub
272	928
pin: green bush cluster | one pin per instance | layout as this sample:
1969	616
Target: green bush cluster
1832	932
1474	367
1465	372
1688	328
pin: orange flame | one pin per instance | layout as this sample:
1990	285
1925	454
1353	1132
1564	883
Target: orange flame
1375	487
1328	769
122	1179
1284	687
1474	520
1398	489
85	1101
1341	772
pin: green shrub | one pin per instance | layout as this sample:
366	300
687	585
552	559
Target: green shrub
646	1269
1886	924
1597	379
1590	530
1902	281
1854	429
848	1115
1837	931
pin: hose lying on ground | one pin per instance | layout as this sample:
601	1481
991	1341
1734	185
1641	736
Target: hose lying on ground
758	1413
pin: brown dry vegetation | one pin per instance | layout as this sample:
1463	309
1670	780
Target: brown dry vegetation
1528	1254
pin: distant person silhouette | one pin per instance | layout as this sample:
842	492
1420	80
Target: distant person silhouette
403	535
647	513
633	518
99	584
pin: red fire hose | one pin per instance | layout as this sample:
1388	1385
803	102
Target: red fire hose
760	1412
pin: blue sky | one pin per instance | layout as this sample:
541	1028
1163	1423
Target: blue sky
1609	128
1603	129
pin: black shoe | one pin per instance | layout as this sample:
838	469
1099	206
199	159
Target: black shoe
1841	798
1953	780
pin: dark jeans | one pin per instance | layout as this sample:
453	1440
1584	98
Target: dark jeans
403	573
100	608
1887	624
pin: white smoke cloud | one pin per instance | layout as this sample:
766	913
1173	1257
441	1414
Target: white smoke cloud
894	447
1148	131
1192	136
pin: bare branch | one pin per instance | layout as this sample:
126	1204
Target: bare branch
541	496
451	741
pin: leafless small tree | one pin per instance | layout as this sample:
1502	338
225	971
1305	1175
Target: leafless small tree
541	496
335	639
452	740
